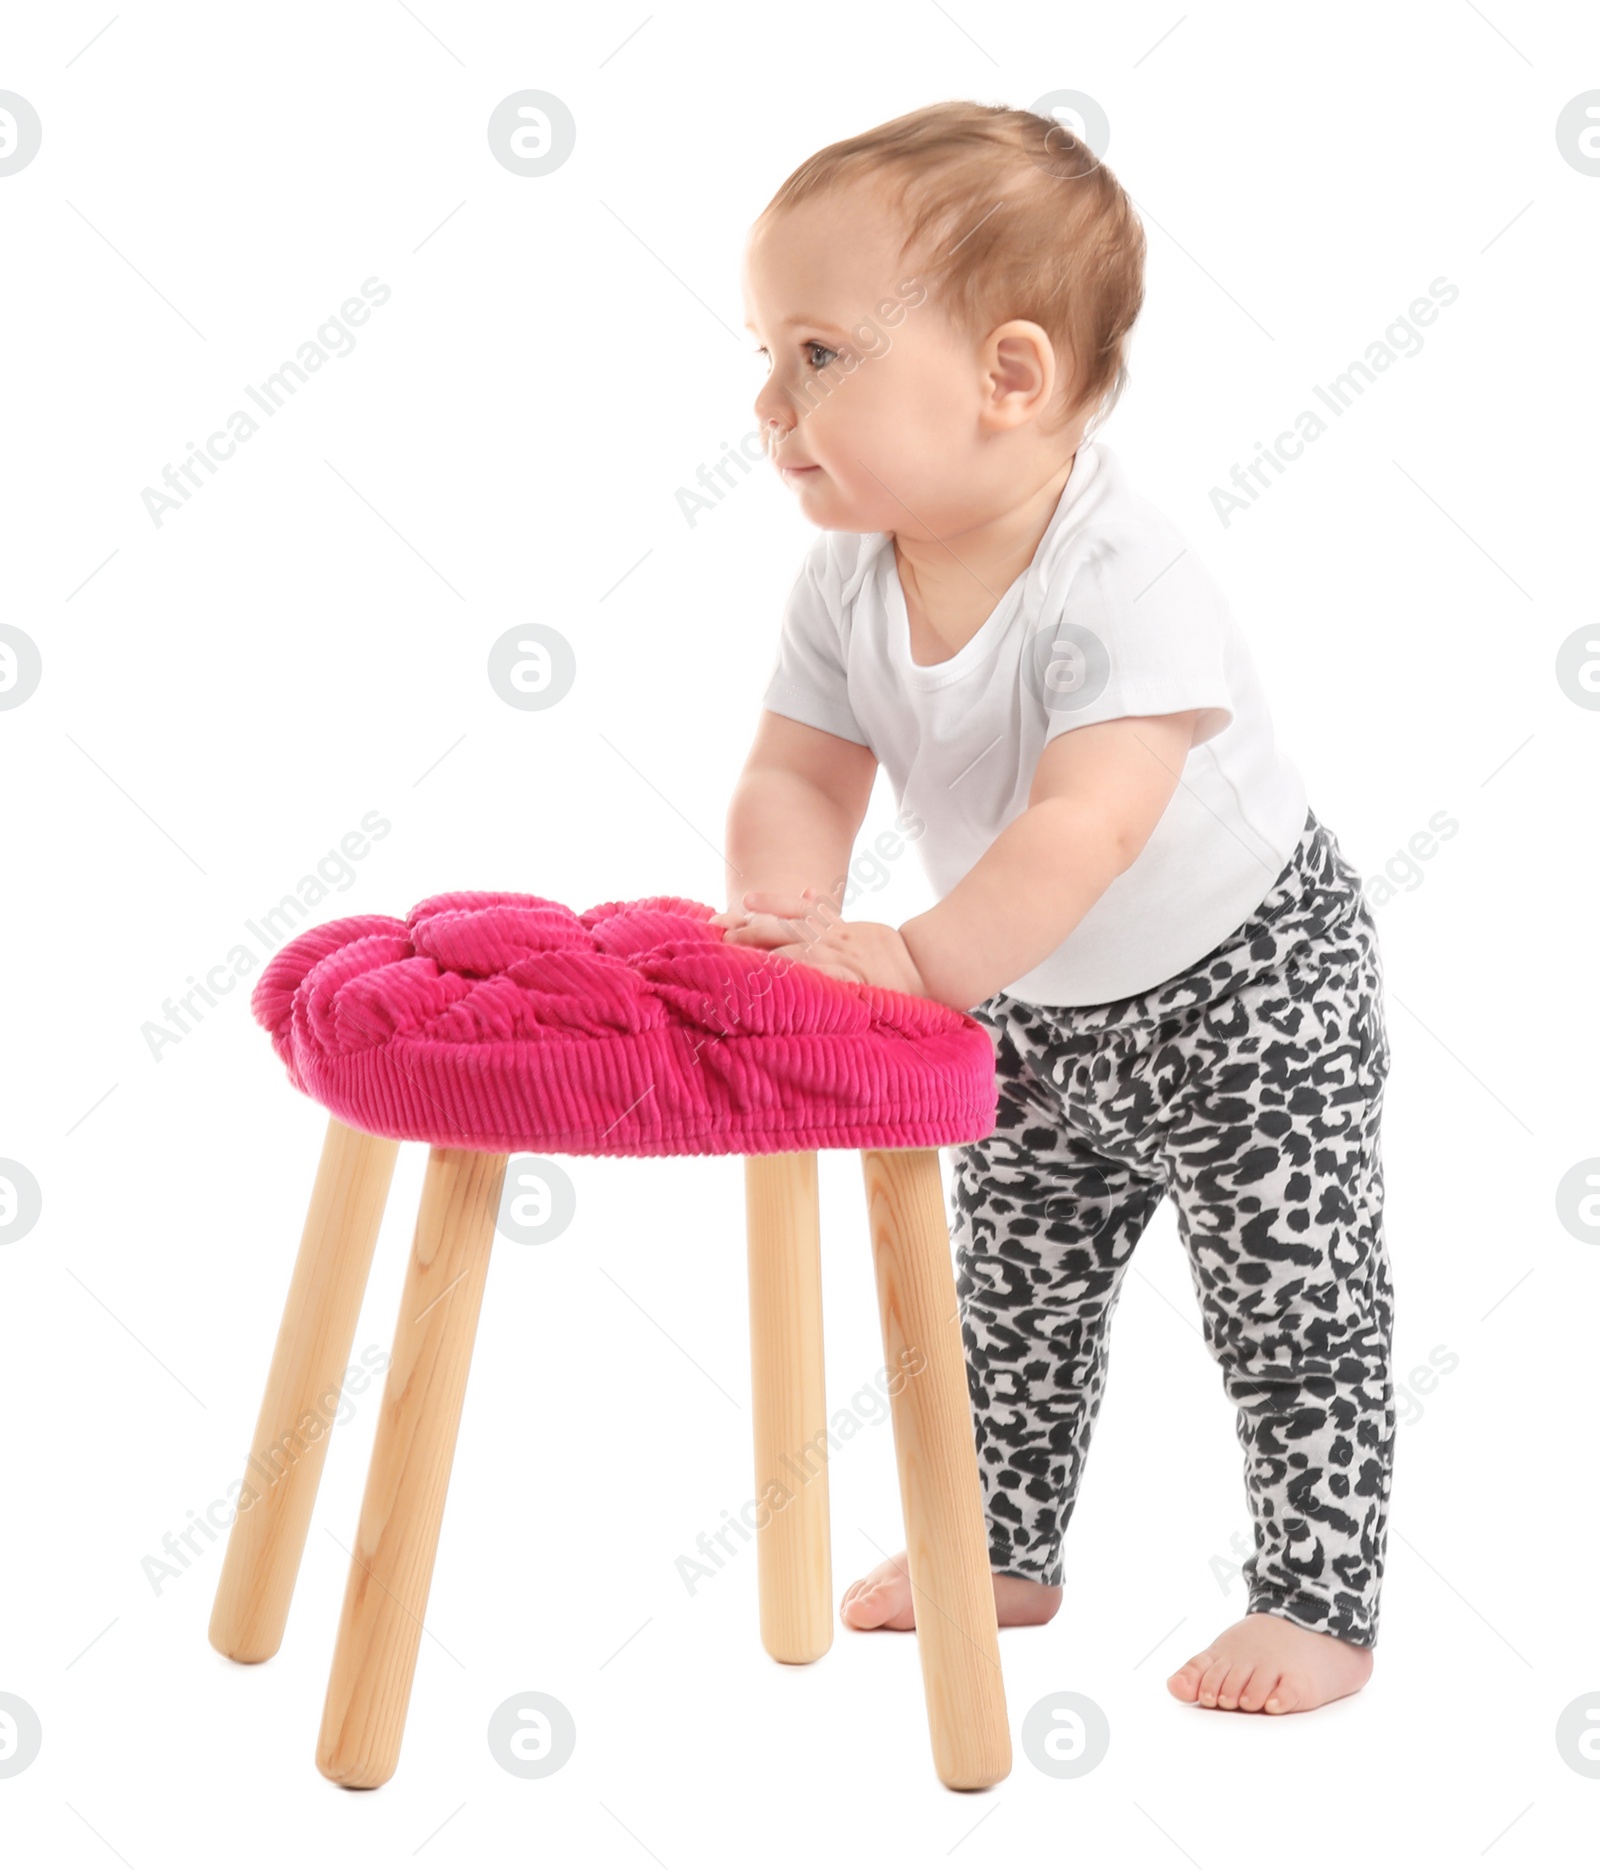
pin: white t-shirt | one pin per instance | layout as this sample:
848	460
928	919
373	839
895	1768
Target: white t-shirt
1114	616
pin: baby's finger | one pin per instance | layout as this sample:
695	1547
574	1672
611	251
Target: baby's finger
779	902
763	931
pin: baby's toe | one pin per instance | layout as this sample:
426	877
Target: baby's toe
858	1598
1285	1697
1253	1698
1216	1673
1185	1682
1233	1686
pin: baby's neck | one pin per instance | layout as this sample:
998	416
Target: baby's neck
952	584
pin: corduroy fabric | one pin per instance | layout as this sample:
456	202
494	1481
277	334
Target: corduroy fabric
495	1021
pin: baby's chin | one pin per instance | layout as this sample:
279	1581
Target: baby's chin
817	490
813	489
827	506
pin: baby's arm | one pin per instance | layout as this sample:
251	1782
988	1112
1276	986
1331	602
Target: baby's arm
795	812
1097	794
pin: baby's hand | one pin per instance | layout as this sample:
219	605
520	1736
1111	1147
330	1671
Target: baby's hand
870	952
768	918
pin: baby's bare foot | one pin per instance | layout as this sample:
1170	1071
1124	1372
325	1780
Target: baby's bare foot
882	1599
1266	1664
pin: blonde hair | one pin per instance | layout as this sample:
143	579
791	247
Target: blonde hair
1010	216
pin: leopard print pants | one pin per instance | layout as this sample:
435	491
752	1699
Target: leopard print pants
1250	1086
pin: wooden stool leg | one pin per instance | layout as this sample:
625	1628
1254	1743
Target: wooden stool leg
946	1539
302	1394
789	1405
380	1628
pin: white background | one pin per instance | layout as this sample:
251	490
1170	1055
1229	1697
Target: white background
224	696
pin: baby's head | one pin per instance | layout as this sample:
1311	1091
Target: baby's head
944	303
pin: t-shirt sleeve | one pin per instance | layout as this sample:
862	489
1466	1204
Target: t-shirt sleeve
808	681
1126	636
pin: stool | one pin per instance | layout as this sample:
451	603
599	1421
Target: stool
488	1024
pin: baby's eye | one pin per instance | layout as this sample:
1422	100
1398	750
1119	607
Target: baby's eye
811	346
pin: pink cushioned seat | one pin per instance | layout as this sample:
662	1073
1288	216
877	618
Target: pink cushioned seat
501	1022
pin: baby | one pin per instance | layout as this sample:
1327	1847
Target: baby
1173	958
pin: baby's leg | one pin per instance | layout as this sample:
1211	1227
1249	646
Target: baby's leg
1278	1176
1043	1228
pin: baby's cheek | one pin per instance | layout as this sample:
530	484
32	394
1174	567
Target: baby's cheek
933	436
